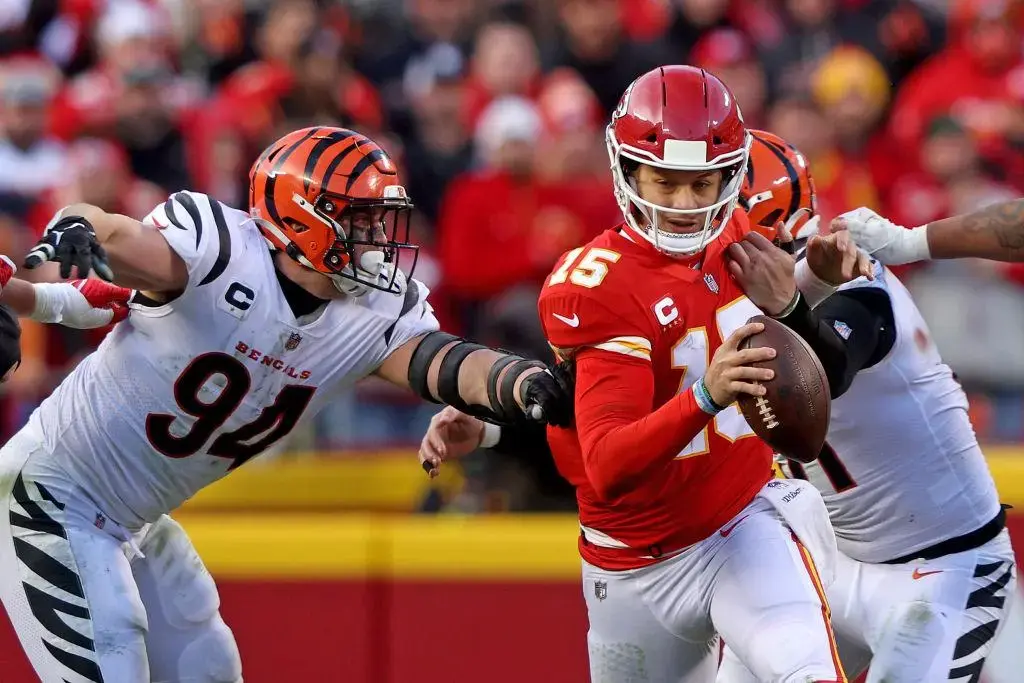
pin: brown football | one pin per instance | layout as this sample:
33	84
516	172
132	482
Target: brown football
792	417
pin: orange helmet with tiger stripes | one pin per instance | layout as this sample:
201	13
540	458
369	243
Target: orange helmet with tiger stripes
779	188
330	198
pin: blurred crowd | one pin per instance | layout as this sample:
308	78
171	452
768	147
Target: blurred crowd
494	110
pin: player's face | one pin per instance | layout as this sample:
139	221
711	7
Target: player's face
686	190
365	226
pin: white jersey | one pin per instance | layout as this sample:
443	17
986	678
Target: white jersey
180	394
901	469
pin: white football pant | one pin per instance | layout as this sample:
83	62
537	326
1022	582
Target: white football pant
92	603
753	582
921	622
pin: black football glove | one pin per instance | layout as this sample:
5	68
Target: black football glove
71	241
549	395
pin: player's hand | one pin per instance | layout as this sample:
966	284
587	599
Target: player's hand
889	243
730	373
835	258
549	395
791	241
70	241
94	303
452	435
763	271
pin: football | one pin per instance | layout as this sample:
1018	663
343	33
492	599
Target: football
793	416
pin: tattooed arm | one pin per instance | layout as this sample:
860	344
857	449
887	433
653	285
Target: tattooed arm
995	233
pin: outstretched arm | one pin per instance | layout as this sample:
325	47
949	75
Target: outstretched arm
995	233
442	368
121	249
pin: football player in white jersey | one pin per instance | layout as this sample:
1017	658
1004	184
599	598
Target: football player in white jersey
925	567
246	322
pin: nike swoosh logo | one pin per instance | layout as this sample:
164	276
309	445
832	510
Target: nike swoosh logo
728	530
574	321
918	574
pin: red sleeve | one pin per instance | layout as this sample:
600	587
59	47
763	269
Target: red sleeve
622	440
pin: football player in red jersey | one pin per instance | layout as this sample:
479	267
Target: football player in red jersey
681	533
669	539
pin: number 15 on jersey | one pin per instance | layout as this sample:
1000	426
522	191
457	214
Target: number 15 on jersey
692	355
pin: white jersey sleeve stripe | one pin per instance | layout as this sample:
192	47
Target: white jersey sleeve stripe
635	347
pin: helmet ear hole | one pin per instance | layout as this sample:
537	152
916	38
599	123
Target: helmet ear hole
293	224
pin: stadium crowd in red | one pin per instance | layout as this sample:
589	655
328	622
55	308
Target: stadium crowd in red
495	111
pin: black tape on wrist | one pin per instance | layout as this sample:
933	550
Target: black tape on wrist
494	374
508	408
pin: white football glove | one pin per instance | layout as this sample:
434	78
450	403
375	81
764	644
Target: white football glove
81	304
889	243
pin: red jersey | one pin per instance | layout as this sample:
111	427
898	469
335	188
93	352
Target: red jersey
653	473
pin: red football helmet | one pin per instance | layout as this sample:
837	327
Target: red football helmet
677	118
778	187
330	198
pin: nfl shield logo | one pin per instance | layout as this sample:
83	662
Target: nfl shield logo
709	280
293	341
600	590
842	328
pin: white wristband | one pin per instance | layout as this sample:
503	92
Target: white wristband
492	434
49	302
813	288
915	245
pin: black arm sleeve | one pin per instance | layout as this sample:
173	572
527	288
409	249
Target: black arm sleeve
866	319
